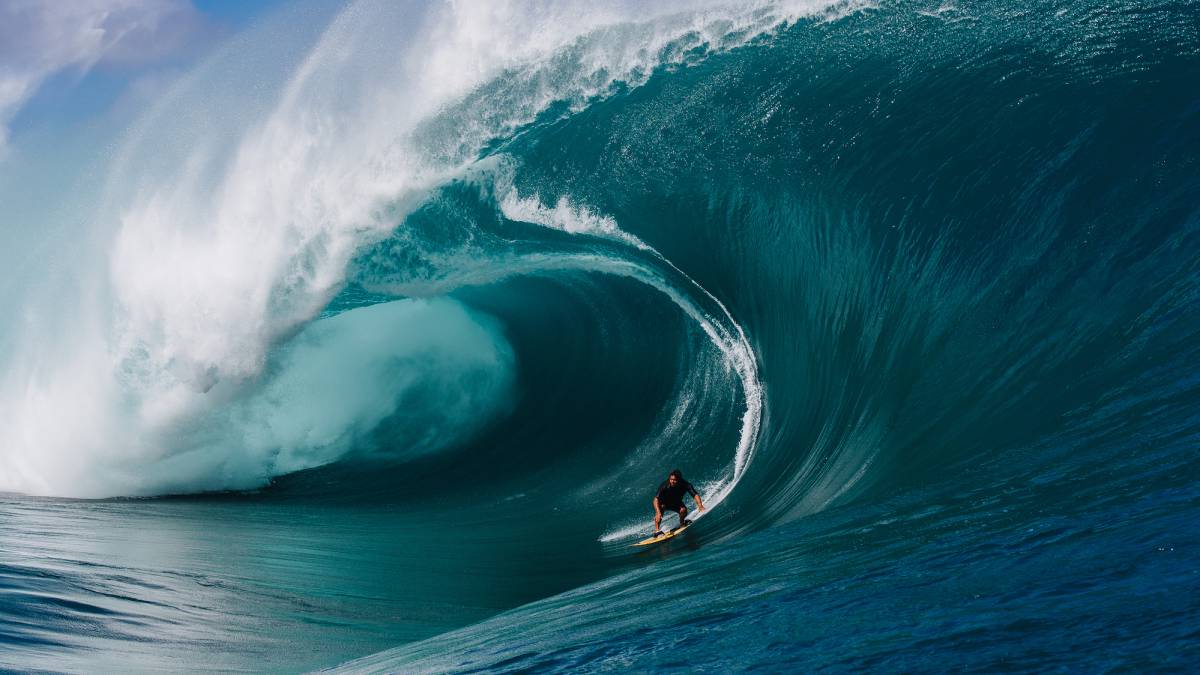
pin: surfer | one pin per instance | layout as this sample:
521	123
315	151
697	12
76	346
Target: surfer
670	498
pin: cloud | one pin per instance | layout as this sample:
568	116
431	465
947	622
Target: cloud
39	39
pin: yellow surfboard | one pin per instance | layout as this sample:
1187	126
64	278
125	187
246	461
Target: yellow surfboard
663	537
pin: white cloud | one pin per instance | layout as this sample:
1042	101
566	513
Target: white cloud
39	38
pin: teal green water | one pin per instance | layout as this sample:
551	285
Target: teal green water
908	290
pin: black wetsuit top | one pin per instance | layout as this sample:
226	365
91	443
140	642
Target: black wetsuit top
671	498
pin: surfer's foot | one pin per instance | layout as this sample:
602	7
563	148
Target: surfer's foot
685	523
658	534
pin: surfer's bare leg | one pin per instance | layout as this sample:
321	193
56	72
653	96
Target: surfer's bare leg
682	515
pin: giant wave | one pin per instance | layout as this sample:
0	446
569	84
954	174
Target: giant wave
911	286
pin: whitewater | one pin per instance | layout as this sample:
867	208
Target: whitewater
366	345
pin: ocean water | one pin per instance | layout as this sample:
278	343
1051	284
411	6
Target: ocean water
366	347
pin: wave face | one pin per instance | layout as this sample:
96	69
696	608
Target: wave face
908	289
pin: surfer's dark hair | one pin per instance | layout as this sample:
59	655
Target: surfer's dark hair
677	473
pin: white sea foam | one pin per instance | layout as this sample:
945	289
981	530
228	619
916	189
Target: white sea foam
230	217
565	217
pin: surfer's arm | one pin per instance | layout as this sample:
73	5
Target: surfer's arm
657	514
699	504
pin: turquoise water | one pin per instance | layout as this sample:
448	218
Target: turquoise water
389	338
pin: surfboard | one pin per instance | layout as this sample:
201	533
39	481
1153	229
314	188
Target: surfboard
665	536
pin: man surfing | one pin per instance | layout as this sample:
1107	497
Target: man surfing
670	498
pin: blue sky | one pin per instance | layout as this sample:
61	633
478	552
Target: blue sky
77	63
